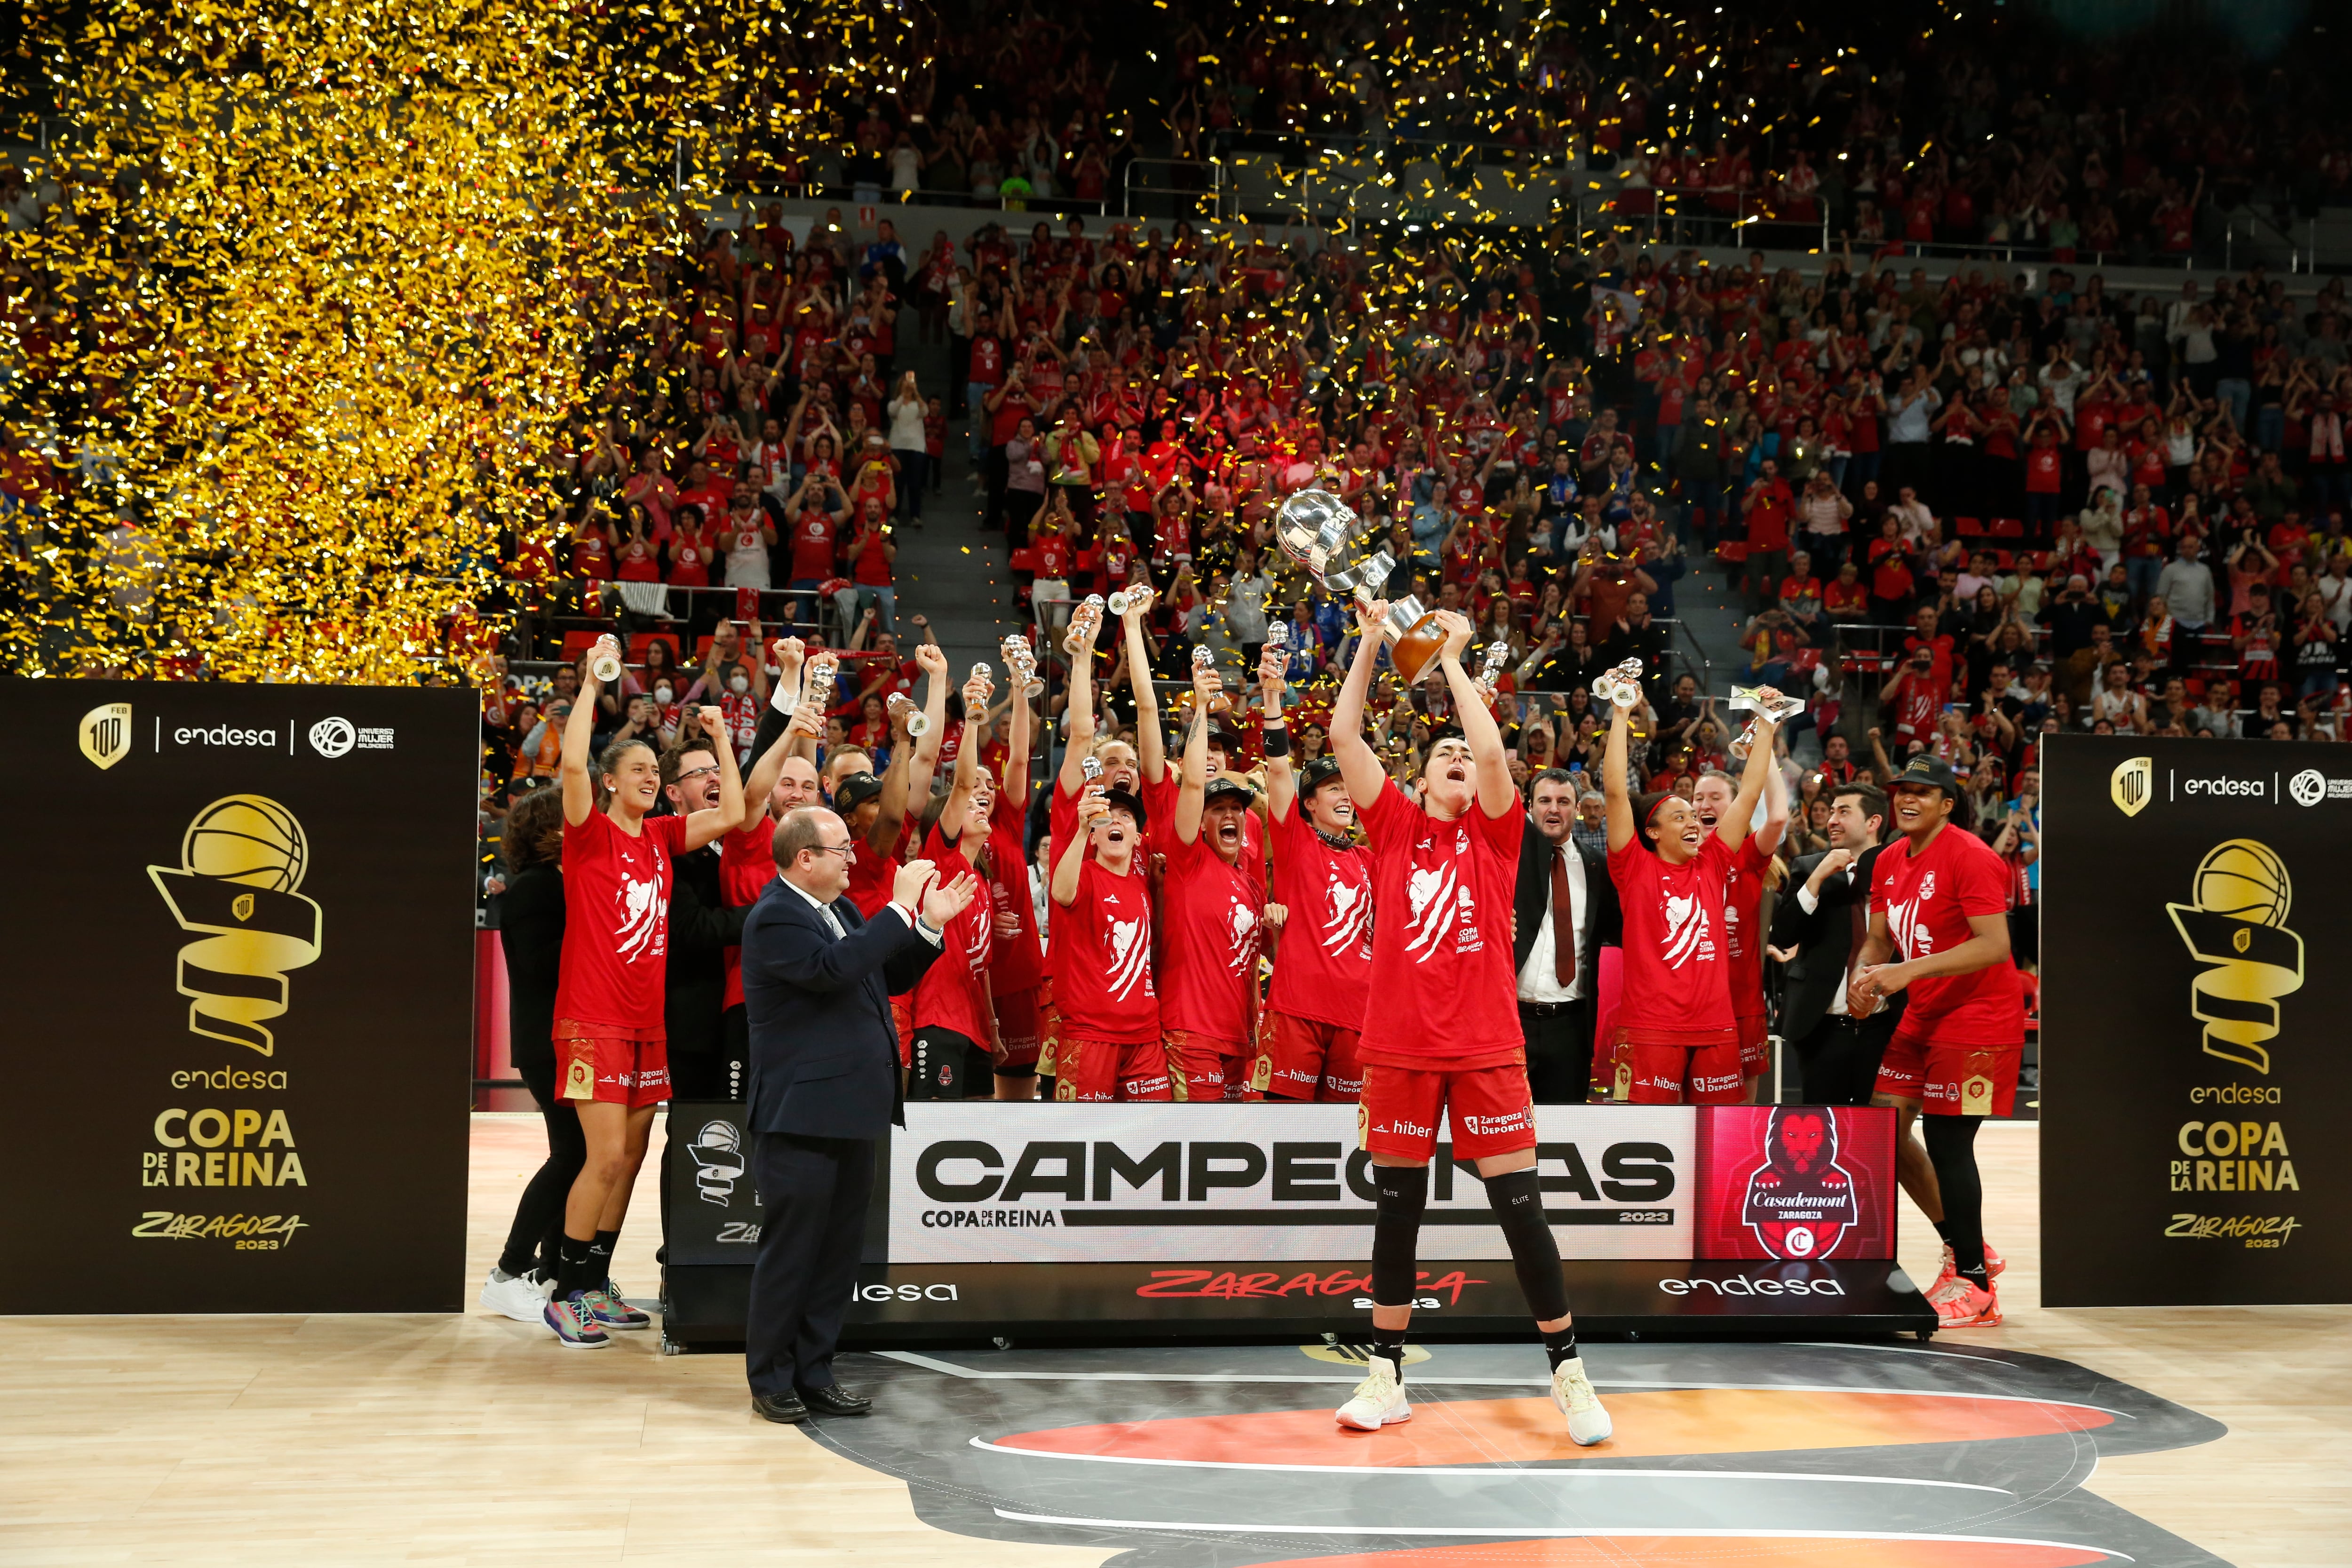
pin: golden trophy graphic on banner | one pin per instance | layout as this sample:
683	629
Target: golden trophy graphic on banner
241	863
2238	925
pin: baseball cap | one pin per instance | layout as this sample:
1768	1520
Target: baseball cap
1933	772
1226	784
855	791
1128	801
1315	773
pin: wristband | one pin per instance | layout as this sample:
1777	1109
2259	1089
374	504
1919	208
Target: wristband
1278	741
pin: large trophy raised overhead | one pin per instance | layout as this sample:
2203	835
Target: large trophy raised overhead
1336	548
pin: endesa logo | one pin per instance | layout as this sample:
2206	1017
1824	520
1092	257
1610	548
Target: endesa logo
2229	789
902	1292
222	735
1745	1285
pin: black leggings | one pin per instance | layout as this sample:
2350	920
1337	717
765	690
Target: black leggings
538	1217
1952	1150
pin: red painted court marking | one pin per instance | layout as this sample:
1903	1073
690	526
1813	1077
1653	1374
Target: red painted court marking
1715	1551
1500	1431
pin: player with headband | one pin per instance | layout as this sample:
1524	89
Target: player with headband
1443	1037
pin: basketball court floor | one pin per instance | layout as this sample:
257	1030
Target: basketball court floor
2172	1436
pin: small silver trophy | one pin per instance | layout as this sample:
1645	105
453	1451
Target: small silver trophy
1621	687
1777	710
824	665
919	723
604	661
1023	661
1138	598
1084	622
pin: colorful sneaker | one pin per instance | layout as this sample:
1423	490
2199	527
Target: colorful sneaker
631	1317
1588	1423
1993	1267
575	1328
1379	1401
523	1296
1960	1305
608	1312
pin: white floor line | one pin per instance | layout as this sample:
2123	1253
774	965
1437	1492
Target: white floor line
1538	1531
1483	1471
1895	1349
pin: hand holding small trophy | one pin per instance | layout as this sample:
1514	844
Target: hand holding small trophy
1132	601
1770	706
1621	687
1022	660
823	665
1499	654
905	714
604	661
1086	621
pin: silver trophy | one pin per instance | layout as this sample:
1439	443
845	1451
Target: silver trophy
919	723
1621	687
1778	710
1136	598
1020	658
1277	637
1084	621
604	661
1218	702
1091	767
1335	546
824	665
1499	654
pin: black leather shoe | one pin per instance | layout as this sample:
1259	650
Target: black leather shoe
786	1408
835	1400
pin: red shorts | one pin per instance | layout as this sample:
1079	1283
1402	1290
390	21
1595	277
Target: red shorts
1201	1069
1016	1028
1755	1043
1952	1080
610	1068
1107	1070
1489	1110
1678	1067
1302	1058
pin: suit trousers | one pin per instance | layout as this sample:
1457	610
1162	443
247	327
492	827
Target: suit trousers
1559	1053
1838	1060
815	1191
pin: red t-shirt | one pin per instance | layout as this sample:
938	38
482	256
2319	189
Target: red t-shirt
747	864
1102	959
1448	996
2042	469
812	545
1927	898
1743	932
953	992
1677	965
1917	700
1323	967
873	877
1016	961
616	922
1209	935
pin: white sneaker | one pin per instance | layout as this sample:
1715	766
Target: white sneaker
1379	1401
1587	1423
523	1296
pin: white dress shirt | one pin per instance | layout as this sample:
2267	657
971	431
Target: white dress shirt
1538	982
1807	902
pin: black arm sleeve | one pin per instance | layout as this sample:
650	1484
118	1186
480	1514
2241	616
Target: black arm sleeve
771	727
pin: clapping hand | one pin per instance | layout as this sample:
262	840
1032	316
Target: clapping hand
948	900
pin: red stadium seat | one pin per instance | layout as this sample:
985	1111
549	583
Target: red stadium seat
2004	558
1969	526
2008	528
638	643
577	643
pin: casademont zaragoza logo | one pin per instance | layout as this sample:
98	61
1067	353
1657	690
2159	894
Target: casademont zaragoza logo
2238	925
240	864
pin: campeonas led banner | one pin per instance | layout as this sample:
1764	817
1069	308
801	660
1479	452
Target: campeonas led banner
2194	1074
246	941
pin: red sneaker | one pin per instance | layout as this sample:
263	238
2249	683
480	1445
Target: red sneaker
1993	1267
1960	1305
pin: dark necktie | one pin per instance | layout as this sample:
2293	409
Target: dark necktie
1857	925
1563	922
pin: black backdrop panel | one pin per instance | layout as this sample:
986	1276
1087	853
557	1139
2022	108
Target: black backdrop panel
243	960
2196	940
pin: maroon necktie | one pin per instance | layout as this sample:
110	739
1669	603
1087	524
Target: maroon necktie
1563	922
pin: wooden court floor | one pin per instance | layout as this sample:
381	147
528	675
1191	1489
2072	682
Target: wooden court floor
470	1439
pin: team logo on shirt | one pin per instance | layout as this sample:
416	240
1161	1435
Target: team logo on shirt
641	932
1439	904
1347	922
1131	957
1689	933
1241	924
1909	930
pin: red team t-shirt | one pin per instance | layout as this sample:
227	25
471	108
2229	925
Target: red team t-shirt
747	864
616	923
1324	970
1102	959
953	992
1676	960
1448	994
1016	961
1743	905
1209	926
1927	899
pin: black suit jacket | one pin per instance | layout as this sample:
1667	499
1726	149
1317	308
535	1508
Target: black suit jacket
1604	924
1824	944
702	926
824	1051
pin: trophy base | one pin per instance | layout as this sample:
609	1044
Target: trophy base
1417	646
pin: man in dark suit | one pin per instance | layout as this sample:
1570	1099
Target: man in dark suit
1556	950
817	983
1821	921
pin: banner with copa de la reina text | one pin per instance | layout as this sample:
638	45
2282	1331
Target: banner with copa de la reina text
2194	925
244	965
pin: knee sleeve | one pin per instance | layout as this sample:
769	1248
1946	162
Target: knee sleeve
1396	1230
1518	1203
